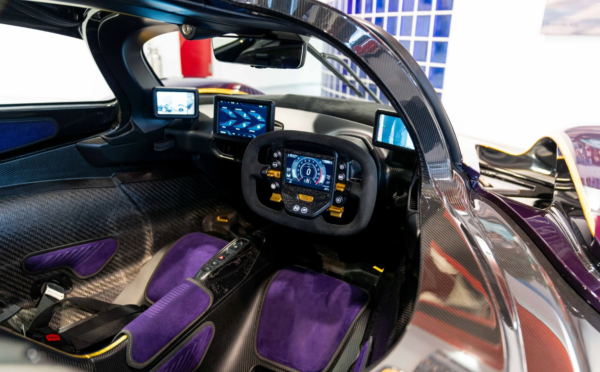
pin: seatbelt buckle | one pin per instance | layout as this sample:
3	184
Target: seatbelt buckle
54	291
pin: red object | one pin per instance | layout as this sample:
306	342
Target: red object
196	57
53	337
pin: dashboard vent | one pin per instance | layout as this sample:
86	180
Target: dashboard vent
232	149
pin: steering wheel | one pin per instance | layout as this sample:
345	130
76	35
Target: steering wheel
340	167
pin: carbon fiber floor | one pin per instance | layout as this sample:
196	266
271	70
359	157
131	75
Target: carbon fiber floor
142	215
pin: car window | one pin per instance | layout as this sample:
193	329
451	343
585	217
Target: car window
164	53
48	68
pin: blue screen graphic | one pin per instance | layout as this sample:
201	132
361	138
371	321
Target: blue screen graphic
242	119
391	130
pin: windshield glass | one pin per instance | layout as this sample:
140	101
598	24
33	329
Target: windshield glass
181	63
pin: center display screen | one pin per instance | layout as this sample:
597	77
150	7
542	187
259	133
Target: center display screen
308	171
242	119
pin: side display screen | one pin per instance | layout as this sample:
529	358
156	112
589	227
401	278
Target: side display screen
313	172
242	120
391	132
175	103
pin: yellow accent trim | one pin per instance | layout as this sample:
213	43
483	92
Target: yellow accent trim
273	173
336	211
378	269
306	198
340	187
108	348
219	91
84	356
276	198
222	219
564	145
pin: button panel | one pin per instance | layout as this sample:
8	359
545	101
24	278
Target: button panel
224	255
304	201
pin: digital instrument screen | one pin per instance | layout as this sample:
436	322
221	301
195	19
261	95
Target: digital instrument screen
241	119
308	171
175	103
391	130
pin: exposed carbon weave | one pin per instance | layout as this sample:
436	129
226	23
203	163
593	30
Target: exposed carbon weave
142	216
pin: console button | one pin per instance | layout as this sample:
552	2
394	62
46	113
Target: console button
207	269
221	257
340	187
306	198
214	263
273	174
276	198
274	186
342	166
276	164
276	155
341	176
339	199
304	210
296	208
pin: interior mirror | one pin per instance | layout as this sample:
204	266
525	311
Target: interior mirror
272	52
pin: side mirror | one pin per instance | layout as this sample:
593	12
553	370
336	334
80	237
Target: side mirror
260	52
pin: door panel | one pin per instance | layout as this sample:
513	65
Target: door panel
71	122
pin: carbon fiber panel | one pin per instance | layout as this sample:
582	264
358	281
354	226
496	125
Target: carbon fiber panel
46	220
142	216
177	206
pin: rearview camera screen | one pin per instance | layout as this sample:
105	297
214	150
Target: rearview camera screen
241	119
391	131
175	103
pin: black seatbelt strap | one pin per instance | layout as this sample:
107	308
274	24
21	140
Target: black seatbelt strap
101	327
106	323
42	317
52	295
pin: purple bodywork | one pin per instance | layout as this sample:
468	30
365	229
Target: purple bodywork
548	236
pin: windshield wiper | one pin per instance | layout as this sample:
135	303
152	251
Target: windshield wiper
323	58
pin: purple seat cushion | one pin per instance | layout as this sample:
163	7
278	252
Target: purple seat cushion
158	326
189	357
305	317
84	260
185	258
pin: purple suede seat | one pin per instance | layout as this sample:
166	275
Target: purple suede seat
150	333
83	260
305	318
191	353
185	258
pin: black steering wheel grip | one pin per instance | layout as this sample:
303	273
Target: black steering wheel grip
251	172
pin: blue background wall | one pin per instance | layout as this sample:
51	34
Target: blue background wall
421	26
